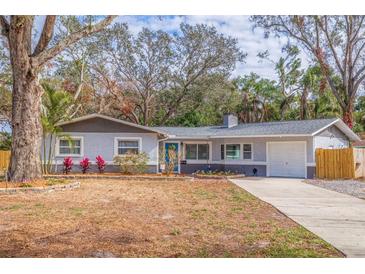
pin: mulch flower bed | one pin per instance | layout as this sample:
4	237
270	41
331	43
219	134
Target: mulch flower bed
217	177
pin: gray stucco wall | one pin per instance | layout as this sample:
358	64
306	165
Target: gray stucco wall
311	172
95	144
259	147
331	137
242	166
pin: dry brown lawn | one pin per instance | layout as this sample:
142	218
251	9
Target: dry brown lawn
111	218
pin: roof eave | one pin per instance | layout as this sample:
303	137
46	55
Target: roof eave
262	135
343	127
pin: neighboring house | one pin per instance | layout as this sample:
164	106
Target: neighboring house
284	148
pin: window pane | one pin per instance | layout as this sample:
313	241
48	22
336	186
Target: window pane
122	151
247	147
190	151
222	152
64	143
233	152
203	152
128	143
247	155
247	151
64	150
70	146
76	143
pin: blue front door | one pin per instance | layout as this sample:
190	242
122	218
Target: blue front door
174	146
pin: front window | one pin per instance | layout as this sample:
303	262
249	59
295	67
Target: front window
70	146
233	151
247	152
128	147
196	151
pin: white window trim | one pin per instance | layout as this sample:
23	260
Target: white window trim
81	138
251	159
197	143
117	139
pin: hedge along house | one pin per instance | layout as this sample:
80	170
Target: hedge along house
284	149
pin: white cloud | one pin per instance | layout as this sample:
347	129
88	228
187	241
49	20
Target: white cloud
250	41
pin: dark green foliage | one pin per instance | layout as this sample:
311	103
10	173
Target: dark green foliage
5	141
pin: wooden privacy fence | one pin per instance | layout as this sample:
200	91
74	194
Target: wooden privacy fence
344	163
4	159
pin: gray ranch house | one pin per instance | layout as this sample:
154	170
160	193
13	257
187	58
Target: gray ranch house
283	149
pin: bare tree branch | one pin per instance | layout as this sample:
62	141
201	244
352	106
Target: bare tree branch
48	54
46	34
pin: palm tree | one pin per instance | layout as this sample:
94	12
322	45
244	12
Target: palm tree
54	109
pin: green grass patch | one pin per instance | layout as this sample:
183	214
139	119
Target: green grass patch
39	206
52	182
203	253
204	194
77	211
238	196
175	232
12	207
25	185
199	213
236	209
287	243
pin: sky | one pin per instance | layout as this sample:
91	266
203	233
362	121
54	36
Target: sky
250	41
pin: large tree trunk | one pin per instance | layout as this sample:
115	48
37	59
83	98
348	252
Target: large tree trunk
347	116
27	132
26	126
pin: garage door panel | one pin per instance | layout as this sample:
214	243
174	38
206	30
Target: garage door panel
286	159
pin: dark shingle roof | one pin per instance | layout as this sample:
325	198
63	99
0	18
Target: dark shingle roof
302	127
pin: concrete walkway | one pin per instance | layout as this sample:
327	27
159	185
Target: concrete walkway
337	218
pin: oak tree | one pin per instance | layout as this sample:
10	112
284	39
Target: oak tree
27	58
337	43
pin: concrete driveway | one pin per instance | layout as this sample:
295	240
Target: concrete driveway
337	218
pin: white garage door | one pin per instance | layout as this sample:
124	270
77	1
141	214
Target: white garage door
286	159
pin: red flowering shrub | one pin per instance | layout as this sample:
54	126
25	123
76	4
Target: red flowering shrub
67	165
85	164
100	163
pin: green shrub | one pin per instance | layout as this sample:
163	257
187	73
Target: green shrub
215	173
52	182
25	185
132	163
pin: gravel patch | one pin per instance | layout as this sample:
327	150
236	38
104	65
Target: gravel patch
351	187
